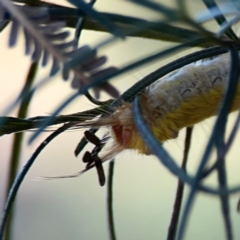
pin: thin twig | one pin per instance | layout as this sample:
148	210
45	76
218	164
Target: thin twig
112	233
17	142
21	175
172	230
211	4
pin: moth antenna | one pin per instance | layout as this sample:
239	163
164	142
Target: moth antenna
74	175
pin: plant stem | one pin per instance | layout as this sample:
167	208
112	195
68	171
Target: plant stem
17	142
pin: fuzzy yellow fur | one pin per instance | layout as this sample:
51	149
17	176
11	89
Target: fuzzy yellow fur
190	112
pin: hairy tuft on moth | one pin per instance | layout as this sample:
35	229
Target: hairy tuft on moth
182	98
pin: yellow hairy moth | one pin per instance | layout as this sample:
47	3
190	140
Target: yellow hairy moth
182	98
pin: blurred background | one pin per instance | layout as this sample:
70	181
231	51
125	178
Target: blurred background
144	190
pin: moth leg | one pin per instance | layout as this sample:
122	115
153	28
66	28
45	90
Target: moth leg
100	171
92	159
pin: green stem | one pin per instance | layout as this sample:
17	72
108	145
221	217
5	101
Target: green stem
112	233
17	142
180	188
163	31
211	4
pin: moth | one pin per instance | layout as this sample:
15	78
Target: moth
180	99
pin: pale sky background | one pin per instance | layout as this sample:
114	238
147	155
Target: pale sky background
143	189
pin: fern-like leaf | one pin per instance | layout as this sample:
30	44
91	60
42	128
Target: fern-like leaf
49	41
